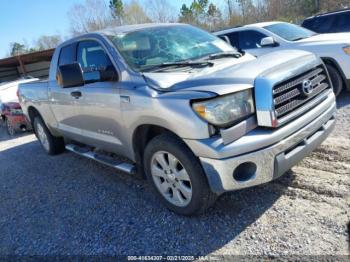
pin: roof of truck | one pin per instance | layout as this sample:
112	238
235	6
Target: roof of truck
329	13
129	28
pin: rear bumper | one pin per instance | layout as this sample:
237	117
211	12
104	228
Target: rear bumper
267	163
19	121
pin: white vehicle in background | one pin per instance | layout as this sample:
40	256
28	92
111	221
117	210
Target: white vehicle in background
262	38
10	110
8	90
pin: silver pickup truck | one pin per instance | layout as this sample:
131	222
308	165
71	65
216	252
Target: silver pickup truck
181	107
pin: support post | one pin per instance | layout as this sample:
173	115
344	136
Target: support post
21	65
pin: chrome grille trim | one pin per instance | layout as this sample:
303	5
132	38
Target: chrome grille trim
297	81
290	96
295	103
287	96
305	108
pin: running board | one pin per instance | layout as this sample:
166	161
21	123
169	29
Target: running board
114	163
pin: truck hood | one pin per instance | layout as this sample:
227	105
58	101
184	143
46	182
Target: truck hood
227	77
341	38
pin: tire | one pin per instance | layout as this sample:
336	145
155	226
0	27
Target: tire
10	129
184	184
336	79
52	145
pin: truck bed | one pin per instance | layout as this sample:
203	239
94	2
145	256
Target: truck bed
34	91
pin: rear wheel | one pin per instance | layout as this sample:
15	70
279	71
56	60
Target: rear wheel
9	127
336	79
177	176
52	145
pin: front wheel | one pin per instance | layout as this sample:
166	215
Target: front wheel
52	145
177	176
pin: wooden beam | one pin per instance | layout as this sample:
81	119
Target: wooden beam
21	65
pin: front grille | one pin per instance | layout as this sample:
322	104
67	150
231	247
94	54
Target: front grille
294	93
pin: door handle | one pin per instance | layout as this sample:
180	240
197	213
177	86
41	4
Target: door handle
76	94
125	99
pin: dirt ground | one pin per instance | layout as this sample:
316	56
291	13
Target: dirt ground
91	210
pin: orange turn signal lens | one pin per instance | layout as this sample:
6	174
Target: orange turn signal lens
200	110
346	50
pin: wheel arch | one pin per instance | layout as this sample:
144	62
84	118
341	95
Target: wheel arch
142	135
331	61
32	113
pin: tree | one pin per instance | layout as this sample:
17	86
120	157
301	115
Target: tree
47	42
117	10
186	14
91	15
214	16
160	11
135	14
17	49
201	13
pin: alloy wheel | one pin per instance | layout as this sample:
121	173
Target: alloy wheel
42	137
171	178
10	128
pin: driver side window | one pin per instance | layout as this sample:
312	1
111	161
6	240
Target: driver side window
93	60
250	39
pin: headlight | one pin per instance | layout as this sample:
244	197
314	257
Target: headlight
225	110
347	49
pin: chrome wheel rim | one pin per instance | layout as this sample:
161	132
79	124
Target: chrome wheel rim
42	136
171	178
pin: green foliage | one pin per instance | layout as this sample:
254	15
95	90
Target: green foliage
186	14
17	49
201	13
117	8
42	43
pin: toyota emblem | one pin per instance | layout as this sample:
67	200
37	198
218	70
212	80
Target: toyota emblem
307	87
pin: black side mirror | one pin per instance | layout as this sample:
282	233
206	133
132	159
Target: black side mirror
70	75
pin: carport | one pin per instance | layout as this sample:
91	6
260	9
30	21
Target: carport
34	64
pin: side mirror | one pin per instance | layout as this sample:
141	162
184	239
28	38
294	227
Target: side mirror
70	75
268	42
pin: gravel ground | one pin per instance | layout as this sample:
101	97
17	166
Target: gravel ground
65	205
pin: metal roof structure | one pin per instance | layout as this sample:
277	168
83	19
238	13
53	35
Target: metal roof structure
34	64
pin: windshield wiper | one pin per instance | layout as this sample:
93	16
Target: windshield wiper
224	54
179	64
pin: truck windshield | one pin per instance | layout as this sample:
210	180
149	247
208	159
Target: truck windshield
290	32
150	47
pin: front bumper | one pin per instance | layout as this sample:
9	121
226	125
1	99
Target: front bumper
269	162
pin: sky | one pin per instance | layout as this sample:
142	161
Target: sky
26	20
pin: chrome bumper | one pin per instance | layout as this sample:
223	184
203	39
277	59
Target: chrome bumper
274	160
